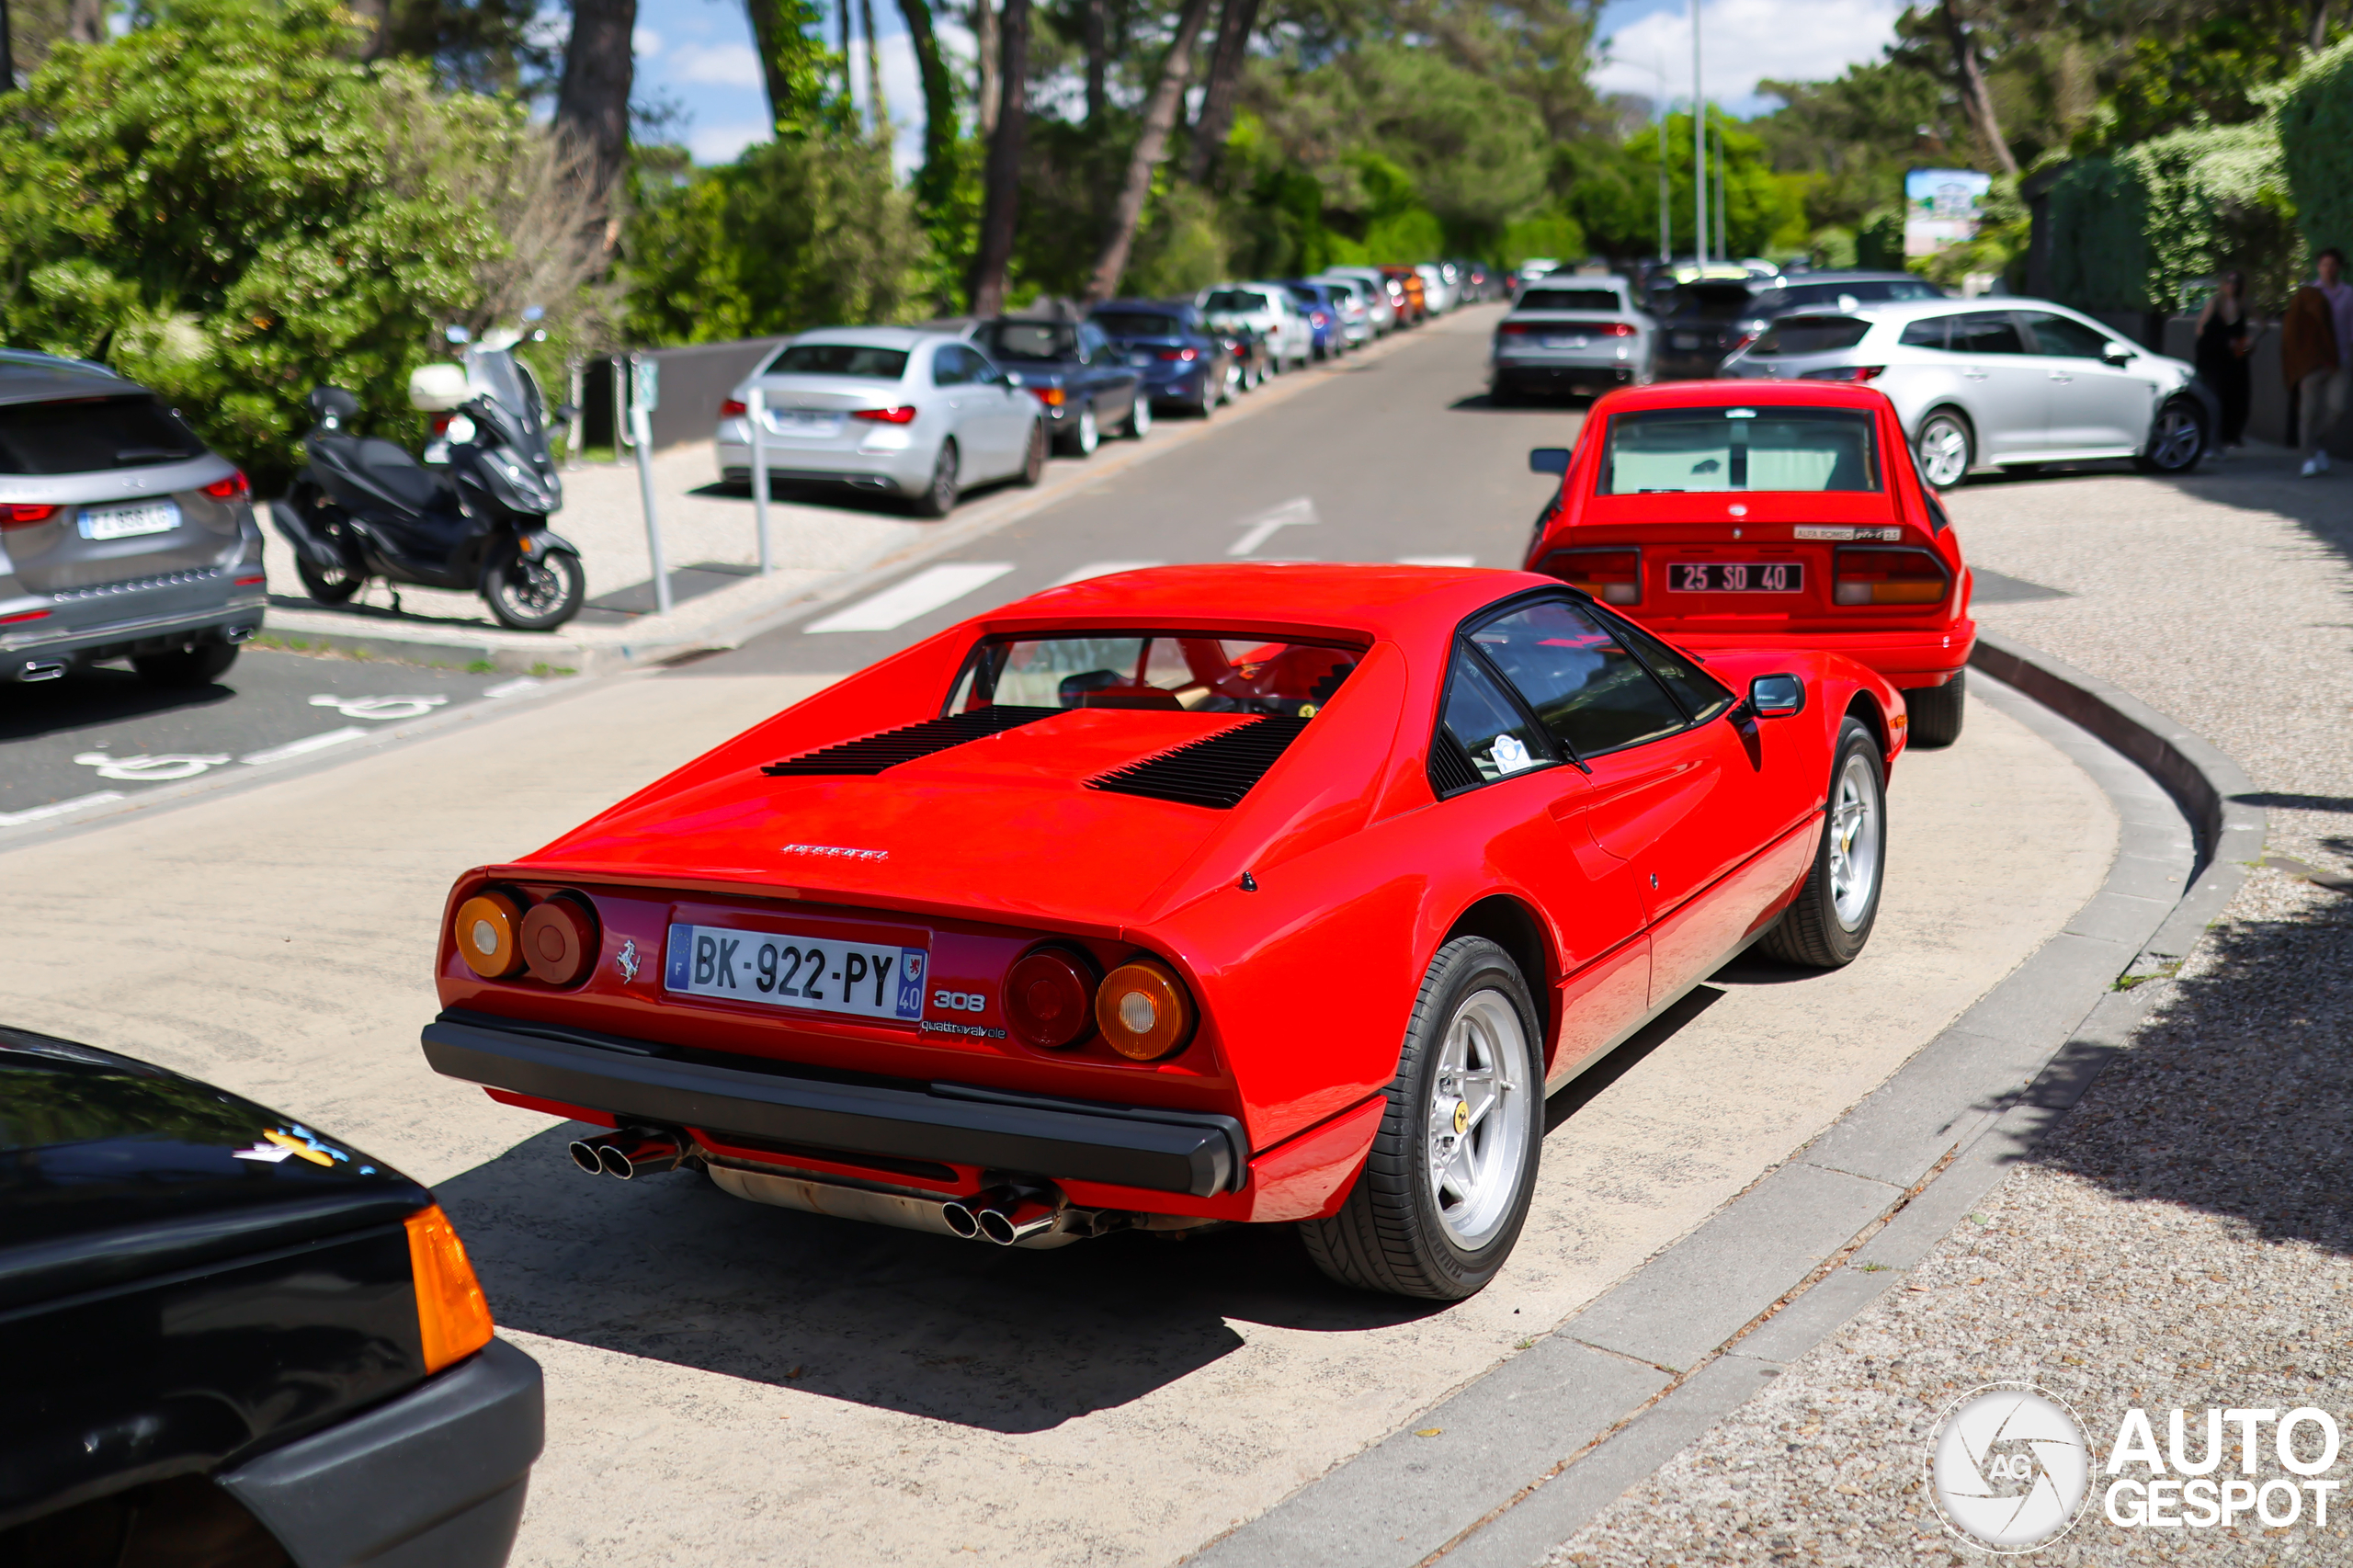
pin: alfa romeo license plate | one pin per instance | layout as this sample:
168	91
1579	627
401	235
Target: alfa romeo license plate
127	522
786	970
1737	576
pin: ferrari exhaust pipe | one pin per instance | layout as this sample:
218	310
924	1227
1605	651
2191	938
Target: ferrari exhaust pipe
963	1214
632	1152
1017	1221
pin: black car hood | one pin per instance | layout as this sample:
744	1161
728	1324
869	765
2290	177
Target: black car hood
111	1169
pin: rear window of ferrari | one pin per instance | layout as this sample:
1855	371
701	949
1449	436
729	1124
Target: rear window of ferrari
1195	672
1667	450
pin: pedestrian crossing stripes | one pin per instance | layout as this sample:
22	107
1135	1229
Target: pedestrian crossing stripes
927	591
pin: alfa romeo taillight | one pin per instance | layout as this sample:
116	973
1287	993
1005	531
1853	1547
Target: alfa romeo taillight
1887	577
1613	576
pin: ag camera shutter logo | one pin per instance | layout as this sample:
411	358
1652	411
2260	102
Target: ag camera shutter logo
2009	1468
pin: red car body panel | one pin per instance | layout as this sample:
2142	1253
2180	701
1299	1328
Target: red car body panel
1304	980
1910	646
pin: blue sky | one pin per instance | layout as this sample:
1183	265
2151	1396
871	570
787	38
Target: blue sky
697	55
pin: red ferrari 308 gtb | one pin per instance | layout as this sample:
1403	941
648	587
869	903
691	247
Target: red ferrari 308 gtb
1761	514
1270	893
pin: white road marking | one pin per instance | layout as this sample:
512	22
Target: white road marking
145	769
1101	568
1258	531
58	808
515	687
379	708
919	594
303	747
1438	560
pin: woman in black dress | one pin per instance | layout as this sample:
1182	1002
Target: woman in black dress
2223	342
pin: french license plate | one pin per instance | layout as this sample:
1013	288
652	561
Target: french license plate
128	522
807	422
786	970
1686	340
1735	577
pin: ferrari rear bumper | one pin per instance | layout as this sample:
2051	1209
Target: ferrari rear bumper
1198	1153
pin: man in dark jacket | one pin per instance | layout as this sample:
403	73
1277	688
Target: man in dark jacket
2314	337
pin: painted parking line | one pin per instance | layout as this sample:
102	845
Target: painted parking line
919	594
1101	568
1438	560
1258	531
303	747
58	808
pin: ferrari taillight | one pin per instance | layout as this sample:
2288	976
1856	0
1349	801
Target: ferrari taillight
1613	576
487	927
1887	577
1050	998
1143	1011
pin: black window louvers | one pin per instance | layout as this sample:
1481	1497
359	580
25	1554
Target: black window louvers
1215	772
1449	769
874	752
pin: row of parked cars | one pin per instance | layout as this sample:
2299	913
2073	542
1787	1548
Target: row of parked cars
923	413
1986	384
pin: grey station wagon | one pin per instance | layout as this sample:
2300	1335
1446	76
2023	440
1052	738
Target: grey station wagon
122	535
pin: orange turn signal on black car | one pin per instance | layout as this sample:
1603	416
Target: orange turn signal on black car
488	928
1143	1011
1050	998
452	1315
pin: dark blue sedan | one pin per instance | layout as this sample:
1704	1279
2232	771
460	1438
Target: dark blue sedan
1184	363
1086	387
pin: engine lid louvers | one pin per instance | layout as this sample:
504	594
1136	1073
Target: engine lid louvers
1214	772
873	754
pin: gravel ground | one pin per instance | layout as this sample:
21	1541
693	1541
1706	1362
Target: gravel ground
2182	1238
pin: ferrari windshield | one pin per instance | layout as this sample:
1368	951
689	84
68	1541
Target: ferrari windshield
1664	451
1188	671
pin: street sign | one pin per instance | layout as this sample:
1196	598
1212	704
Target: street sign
645	378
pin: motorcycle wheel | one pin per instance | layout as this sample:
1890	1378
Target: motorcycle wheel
328	584
534	595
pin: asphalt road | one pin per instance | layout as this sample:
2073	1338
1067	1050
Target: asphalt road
1397	459
106	731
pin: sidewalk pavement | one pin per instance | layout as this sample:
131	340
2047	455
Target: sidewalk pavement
825	545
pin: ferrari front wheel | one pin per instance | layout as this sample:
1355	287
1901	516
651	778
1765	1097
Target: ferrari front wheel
1839	903
1445	1191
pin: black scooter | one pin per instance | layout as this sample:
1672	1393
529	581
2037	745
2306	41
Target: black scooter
363	507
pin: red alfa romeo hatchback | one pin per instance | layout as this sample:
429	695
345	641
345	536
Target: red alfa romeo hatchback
1748	515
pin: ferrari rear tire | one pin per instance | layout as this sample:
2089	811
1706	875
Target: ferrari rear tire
1440	1201
1835	909
1936	711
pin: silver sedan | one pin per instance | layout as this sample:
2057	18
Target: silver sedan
893	410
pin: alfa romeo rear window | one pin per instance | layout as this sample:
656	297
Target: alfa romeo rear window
1668	450
839	360
1191	672
1136	324
1569	299
1809	334
85	434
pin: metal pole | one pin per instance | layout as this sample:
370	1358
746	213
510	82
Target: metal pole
1723	198
641	429
1699	150
757	411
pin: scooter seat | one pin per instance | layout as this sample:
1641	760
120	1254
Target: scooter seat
386	466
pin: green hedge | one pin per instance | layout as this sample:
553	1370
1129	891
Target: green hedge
2136	231
2315	121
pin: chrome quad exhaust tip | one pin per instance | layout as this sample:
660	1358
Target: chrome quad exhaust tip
629	1152
1005	1215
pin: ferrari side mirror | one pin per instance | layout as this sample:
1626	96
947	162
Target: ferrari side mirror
1776	697
1548	460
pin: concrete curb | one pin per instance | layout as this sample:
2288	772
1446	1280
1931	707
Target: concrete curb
736	615
1524	1455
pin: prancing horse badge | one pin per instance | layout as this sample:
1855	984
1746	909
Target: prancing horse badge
626	960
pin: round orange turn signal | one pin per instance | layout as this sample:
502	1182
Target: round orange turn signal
1143	1010
486	927
559	940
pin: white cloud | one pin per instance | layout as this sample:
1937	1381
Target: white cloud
645	42
721	143
1743	42
716	64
